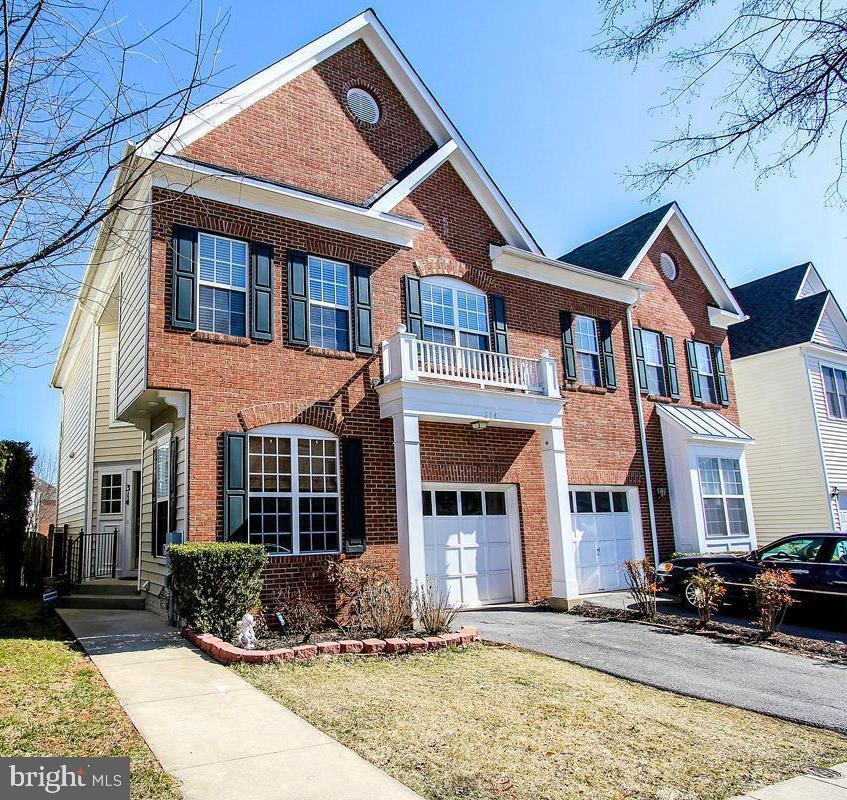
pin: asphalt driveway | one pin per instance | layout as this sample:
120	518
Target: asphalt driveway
783	685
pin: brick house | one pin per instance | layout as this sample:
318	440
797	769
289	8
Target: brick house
336	338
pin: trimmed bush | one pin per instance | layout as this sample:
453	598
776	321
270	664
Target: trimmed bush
216	583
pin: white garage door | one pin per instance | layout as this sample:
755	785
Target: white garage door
604	536
468	543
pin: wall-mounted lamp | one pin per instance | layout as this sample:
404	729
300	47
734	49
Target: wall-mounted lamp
479	425
835	492
661	492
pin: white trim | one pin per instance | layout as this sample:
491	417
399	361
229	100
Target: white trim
406	186
535	267
369	29
833	311
114	422
834	368
323	304
721	318
806	352
179	175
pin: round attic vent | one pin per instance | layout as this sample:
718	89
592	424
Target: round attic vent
362	105
668	266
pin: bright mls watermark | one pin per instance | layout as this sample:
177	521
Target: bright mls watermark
95	778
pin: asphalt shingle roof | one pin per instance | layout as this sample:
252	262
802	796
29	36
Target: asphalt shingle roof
777	319
613	252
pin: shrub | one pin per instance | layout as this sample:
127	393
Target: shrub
709	590
16	481
216	583
386	609
772	589
641	579
302	612
433	612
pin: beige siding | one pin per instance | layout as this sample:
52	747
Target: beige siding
828	334
74	456
833	431
133	311
153	569
786	473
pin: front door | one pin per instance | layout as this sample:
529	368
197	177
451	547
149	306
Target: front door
117	512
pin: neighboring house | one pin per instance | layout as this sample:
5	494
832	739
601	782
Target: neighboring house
340	341
42	507
796	339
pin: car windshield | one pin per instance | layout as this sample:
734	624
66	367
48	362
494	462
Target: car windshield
803	548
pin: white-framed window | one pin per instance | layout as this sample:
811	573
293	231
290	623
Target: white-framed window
329	304
294	499
587	348
835	388
111	492
654	362
722	490
161	488
454	313
222	295
706	372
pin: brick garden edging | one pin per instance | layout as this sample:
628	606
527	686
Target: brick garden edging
228	653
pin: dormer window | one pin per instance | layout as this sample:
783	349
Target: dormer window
454	313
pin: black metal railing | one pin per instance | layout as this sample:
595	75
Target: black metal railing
90	556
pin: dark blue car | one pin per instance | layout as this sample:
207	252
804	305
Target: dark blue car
816	561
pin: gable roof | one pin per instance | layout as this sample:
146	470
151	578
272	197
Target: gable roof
777	316
367	28
620	251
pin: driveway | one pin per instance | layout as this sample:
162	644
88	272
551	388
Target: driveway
783	685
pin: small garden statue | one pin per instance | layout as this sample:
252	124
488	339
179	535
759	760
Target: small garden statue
246	633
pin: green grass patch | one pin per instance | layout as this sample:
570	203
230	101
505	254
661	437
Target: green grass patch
54	702
493	723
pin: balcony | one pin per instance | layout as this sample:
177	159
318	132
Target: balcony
442	381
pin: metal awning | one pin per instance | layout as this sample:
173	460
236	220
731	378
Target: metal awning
702	423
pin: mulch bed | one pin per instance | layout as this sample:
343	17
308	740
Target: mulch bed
724	631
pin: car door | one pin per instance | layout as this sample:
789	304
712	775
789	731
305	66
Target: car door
831	570
797	555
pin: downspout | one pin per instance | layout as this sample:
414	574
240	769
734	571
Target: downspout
642	432
140	501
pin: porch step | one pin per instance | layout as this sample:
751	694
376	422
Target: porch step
107	587
103	602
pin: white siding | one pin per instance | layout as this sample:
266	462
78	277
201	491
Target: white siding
812	285
74	455
786	472
828	334
833	432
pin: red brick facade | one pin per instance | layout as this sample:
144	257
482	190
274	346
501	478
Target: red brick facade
301	135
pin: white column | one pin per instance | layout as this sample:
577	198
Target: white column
562	551
407	470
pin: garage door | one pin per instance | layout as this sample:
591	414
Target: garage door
604	537
468	543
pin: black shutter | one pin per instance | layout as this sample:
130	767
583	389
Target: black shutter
235	486
184	279
154	514
610	378
566	321
172	484
693	374
640	364
298	298
262	292
720	374
500	339
353	487
671	371
363	303
414	310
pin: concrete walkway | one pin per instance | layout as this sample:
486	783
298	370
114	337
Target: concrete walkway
209	728
804	787
783	685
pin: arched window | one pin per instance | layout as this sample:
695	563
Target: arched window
293	490
454	313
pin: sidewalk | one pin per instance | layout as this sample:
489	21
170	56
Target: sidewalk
803	787
210	729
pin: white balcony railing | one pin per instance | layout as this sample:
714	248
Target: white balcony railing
405	357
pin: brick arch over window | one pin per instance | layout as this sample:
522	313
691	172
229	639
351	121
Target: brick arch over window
434	266
318	415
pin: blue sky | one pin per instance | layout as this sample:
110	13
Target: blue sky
554	126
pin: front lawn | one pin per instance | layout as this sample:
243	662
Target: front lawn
54	702
499	723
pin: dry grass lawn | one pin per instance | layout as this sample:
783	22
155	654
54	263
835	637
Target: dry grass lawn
54	702
500	724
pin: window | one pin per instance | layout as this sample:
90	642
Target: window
111	488
654	364
162	491
294	493
839	552
223	285
454	313
587	348
835	386
329	304
724	506
705	372
602	502
801	548
473	503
